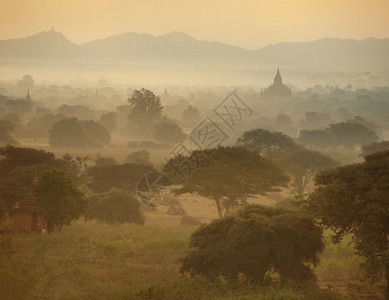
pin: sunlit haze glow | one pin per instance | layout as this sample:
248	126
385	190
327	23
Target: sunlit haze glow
247	23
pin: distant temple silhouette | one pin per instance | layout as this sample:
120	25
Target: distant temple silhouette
277	89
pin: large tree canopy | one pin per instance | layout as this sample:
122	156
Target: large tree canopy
340	134
231	174
257	240
124	177
268	143
115	207
302	165
354	200
146	108
59	199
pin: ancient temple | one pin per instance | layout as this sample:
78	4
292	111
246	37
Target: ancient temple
277	89
26	217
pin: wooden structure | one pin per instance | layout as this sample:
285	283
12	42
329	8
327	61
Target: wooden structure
25	216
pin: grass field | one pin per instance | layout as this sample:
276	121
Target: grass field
89	260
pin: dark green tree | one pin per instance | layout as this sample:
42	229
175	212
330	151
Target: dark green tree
190	114
139	157
108	120
375	147
229	175
269	144
68	133
60	201
351	134
302	165
124	177
146	109
115	207
167	131
95	132
254	242
353	200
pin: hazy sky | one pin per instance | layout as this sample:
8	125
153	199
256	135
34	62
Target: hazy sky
246	23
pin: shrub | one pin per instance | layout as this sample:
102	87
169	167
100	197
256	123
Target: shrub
253	243
115	207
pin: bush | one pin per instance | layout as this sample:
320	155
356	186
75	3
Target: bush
253	243
115	207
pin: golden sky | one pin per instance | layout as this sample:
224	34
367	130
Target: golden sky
247	23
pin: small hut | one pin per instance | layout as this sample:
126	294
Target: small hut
25	216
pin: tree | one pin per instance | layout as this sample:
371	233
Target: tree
124	177
353	200
190	114
115	207
167	131
316	138
146	108
105	161
95	132
17	167
351	134
302	165
282	120
3	210
139	157
71	132
255	242
375	147
109	121
59	199
230	174
27	82
67	133
266	142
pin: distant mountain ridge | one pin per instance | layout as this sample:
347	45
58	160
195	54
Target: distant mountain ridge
182	49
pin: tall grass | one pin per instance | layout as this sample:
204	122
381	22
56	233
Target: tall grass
96	261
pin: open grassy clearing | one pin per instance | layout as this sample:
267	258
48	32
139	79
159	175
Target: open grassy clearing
89	260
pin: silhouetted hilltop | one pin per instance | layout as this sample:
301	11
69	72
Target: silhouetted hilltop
174	47
46	45
328	53
179	48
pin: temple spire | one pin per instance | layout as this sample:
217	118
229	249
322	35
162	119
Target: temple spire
278	78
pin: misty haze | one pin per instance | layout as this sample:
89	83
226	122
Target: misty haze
197	151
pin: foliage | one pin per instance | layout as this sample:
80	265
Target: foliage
108	120
375	147
190	114
140	157
17	171
67	133
340	134
3	210
166	130
354	200
105	161
115	207
59	199
146	109
254	242
230	173
266	142
96	132
71	132
282	120
124	177
302	165
92	257
27	82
